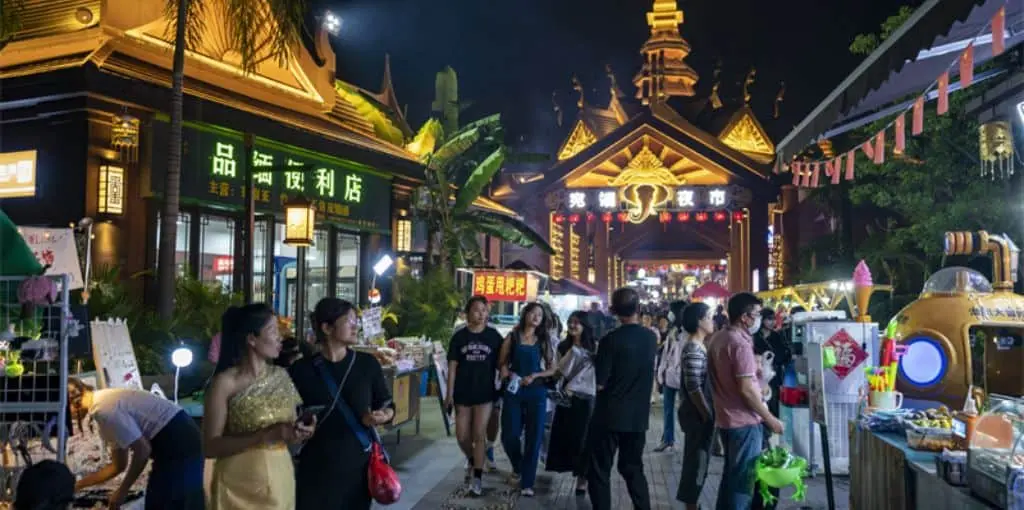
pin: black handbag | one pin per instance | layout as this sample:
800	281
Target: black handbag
561	397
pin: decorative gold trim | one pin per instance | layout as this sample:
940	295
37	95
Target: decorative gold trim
577	142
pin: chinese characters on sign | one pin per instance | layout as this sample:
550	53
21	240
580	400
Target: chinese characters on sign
502	285
683	198
55	247
848	353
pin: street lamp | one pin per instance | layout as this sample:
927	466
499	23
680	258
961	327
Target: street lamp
379	268
181	358
299	222
332	23
299	225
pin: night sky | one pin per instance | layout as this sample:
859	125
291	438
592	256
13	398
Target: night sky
511	55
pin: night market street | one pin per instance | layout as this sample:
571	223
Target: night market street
432	477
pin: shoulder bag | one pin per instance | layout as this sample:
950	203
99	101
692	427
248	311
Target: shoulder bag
384	486
561	397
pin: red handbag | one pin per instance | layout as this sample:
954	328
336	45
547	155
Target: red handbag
385	488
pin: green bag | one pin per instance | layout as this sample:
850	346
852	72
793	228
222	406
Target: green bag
777	468
828	357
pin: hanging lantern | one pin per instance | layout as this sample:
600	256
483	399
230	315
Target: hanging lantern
574	218
720	216
737	216
606	217
701	216
623	217
590	217
996	147
559	219
683	217
124	136
299	222
664	216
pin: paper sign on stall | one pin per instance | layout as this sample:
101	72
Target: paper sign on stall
116	365
371	322
816	384
55	247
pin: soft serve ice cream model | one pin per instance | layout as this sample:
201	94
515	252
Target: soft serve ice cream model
862	287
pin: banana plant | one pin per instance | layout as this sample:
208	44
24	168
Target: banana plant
458	172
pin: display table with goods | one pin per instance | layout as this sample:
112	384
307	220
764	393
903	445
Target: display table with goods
404	361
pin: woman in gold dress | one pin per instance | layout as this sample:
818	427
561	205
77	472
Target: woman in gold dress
250	416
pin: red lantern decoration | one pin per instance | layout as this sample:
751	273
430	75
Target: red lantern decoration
606	217
720	216
737	216
701	216
590	217
623	217
665	216
574	218
559	218
683	216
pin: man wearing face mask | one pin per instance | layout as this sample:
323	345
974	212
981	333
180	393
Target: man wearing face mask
739	407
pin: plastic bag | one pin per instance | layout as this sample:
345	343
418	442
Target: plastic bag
777	468
828	357
385	488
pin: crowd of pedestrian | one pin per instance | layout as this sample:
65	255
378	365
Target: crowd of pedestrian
708	360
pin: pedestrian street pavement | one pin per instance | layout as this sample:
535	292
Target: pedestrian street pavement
432	468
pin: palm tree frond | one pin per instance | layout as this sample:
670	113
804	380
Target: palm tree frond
453	148
506	228
478	179
426	139
195	21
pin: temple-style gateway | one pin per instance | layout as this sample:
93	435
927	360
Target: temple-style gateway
86	85
670	182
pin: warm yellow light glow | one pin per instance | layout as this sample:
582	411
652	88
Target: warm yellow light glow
574	253
556	239
111	190
18	174
578	141
645	184
403	235
746	136
299	222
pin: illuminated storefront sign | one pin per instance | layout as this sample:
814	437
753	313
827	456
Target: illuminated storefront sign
223	264
214	166
683	198
18	174
513	286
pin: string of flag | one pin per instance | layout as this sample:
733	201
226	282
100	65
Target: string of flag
807	174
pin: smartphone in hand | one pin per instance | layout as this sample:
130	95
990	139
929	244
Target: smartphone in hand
308	413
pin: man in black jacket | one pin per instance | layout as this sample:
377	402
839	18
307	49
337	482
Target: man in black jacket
624	370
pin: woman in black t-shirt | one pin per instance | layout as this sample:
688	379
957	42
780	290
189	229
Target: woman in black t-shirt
332	467
472	363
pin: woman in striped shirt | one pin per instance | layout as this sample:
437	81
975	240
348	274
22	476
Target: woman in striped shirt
696	416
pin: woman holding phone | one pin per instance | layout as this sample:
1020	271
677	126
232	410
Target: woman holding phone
332	466
472	364
250	416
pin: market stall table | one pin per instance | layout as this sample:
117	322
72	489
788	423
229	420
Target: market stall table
886	473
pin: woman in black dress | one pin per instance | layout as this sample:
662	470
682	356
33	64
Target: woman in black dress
569	430
331	471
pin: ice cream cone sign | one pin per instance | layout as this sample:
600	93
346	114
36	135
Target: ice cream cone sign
862	286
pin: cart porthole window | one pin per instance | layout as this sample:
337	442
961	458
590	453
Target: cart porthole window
924	363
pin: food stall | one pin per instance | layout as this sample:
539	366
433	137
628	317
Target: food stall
566	296
404	361
825	296
955	442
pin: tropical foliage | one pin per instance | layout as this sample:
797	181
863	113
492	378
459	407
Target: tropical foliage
895	214
426	306
198	309
458	172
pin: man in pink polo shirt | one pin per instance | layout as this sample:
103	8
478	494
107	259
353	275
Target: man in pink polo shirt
739	407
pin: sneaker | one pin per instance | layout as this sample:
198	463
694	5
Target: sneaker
477	487
491	465
526	493
663	447
469	474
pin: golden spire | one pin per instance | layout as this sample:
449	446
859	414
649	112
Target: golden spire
578	87
747	83
665	72
557	107
779	98
716	100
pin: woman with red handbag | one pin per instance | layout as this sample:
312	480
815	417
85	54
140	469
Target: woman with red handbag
343	466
